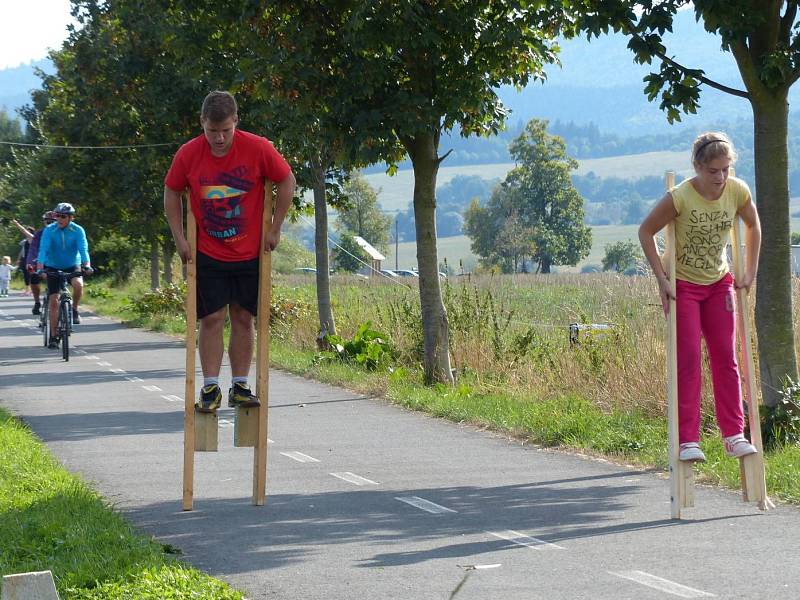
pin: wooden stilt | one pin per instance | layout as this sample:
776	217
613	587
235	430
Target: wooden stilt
752	470
191	338
681	473
206	428
262	354
245	427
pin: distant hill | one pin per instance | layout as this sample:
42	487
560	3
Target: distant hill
17	83
600	82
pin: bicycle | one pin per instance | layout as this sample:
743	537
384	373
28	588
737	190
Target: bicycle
64	322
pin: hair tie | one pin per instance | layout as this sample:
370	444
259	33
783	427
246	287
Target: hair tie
706	143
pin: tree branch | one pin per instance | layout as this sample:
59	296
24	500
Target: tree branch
703	78
441	158
747	69
793	78
787	21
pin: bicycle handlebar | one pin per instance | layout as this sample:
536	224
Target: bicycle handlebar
79	273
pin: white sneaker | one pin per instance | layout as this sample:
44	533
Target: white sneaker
690	452
737	446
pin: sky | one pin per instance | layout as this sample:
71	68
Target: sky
30	28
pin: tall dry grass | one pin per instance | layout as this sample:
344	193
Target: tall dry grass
511	332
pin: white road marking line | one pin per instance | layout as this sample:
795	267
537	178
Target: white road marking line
353	478
102	363
91	357
664	585
172	398
117	370
151	388
520	539
134	379
425	505
299	456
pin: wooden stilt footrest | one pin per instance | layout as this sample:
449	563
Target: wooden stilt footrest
751	468
206	427
245	427
686	483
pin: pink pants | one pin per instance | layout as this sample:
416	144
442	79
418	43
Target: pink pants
708	310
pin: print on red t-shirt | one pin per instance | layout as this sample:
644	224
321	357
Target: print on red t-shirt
227	192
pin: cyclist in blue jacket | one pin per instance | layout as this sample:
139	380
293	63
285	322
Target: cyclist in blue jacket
64	247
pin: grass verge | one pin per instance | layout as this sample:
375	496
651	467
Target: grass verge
50	520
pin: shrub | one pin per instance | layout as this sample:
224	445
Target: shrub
368	347
117	253
167	300
781	423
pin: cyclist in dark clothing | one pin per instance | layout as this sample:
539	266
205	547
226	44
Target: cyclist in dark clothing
30	259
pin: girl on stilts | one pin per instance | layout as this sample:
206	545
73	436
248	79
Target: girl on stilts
704	209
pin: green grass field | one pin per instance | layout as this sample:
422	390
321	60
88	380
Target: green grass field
457	248
397	192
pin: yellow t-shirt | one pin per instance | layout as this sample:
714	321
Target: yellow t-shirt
703	230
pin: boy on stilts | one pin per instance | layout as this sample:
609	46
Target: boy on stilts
224	171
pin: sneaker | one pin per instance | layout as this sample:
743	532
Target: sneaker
37	309
210	399
53	344
690	452
76	318
737	446
240	396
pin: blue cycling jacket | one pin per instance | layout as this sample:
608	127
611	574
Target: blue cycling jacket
63	248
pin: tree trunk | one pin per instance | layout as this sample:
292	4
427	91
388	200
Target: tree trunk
423	149
327	326
154	264
773	312
168	254
545	265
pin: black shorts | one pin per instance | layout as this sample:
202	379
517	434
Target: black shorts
36	279
54	281
25	275
221	283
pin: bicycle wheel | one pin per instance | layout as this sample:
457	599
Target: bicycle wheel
65	312
45	324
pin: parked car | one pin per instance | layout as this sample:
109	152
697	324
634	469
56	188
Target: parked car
407	273
310	270
389	273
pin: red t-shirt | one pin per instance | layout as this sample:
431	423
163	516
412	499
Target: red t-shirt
227	192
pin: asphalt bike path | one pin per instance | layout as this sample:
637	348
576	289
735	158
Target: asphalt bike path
367	500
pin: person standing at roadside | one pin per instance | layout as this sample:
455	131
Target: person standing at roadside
225	171
704	209
6	268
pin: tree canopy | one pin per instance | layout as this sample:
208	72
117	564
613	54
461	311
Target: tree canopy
536	212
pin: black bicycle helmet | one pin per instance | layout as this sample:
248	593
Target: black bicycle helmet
64	208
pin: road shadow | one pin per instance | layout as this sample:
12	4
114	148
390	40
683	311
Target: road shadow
291	527
72	427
